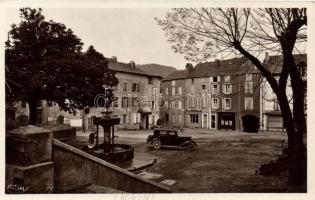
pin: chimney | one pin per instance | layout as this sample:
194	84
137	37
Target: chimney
132	64
218	62
189	68
114	59
266	57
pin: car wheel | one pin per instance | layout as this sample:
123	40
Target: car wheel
190	146
156	144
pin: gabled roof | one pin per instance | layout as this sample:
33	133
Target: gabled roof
215	68
156	69
223	67
126	68
179	74
274	63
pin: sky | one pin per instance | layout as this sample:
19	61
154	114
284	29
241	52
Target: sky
127	33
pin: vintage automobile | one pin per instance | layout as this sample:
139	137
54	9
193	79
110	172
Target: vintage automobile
168	138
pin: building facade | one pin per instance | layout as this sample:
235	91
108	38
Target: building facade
223	94
271	114
136	96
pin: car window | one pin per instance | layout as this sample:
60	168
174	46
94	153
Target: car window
173	133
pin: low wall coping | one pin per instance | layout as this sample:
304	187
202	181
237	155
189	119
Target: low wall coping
107	164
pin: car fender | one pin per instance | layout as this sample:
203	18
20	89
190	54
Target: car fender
193	142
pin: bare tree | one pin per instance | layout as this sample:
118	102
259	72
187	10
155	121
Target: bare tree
201	33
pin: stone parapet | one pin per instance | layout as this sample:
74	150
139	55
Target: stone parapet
28	145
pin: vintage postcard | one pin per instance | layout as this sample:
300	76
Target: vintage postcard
148	100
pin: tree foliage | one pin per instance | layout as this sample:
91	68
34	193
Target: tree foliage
201	33
44	61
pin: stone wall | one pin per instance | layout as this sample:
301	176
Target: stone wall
75	168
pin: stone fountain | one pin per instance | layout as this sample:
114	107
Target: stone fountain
108	150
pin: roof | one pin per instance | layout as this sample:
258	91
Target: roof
215	68
156	69
224	67
179	74
274	63
126	68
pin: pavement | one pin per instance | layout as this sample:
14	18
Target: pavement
195	133
224	161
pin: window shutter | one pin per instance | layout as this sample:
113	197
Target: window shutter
211	79
218	78
138	117
231	88
223	104
127	119
134	117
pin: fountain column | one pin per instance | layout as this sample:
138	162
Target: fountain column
107	121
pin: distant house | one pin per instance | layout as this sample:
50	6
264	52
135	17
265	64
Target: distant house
136	96
223	94
271	114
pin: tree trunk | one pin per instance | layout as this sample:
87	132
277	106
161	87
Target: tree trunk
297	159
296	149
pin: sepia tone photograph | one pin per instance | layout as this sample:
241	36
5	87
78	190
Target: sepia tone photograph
141	100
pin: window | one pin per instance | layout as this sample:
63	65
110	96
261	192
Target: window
203	87
248	87
226	103
124	102
152	105
115	102
135	87
215	79
134	117
150	80
173	118
173	90
173	83
194	118
227	79
155	92
249	103
180	91
215	103
276	106
204	101
227	88
166	117
215	88
166	91
134	102
176	104
179	119
125	86
124	119
248	77
191	101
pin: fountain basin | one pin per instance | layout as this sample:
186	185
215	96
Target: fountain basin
118	153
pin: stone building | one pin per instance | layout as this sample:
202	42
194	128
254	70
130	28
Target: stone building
271	114
136	95
223	94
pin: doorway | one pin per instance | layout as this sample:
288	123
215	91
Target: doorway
226	120
205	121
213	121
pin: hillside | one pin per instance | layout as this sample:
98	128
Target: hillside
156	69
